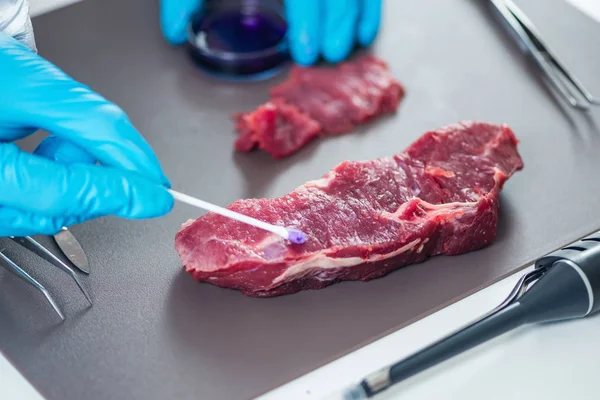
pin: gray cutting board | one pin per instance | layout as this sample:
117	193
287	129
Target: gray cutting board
154	333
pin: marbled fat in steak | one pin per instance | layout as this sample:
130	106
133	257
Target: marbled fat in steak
364	218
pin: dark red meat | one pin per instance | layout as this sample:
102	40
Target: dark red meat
322	101
364	219
276	127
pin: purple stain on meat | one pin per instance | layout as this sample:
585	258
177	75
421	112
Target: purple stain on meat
296	236
274	250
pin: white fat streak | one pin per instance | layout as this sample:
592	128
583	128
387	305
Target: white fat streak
439	171
323	182
322	261
420	249
446	206
437	208
497	173
187	223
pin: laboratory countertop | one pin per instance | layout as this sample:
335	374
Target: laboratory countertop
556	361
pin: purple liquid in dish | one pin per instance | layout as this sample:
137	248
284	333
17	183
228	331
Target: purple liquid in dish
239	42
236	32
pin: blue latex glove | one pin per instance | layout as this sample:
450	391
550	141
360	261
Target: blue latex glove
329	28
60	184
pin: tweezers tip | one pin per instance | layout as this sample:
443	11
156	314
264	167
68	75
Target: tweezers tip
88	298
80	285
580	106
53	303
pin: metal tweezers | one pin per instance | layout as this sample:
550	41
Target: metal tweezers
35	247
524	32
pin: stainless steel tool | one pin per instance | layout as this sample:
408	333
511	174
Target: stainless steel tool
563	285
522	30
34	246
72	249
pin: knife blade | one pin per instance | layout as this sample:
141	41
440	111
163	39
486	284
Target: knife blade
72	250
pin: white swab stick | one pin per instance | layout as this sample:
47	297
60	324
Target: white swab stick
293	235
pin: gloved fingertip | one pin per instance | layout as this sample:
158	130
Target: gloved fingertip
164	204
305	54
305	59
335	51
334	57
304	30
370	21
147	200
14	222
339	32
175	32
166	182
51	226
175	16
367	32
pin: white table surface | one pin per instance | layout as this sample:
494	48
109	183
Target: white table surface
558	361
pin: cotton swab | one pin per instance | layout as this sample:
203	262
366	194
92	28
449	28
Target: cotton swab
291	234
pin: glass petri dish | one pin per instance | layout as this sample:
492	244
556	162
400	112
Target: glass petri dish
239	39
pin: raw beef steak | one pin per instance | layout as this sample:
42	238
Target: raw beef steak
364	219
319	101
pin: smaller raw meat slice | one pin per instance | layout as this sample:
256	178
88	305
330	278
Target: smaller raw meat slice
365	86
350	88
381	83
331	112
336	99
275	127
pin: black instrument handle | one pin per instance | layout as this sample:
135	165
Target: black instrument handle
583	257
